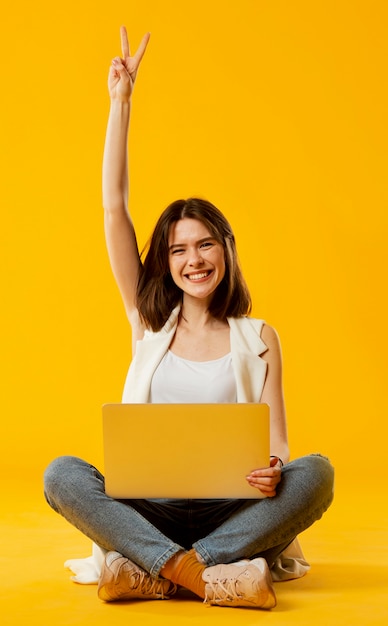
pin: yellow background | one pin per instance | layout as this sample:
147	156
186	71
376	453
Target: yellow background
276	112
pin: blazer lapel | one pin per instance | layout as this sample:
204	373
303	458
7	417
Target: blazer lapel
249	368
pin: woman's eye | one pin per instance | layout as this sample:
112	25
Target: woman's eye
207	244
177	251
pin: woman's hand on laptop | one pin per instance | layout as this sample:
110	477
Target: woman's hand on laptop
266	479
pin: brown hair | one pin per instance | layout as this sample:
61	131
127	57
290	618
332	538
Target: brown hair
157	294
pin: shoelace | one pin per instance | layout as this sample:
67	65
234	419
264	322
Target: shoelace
147	585
223	590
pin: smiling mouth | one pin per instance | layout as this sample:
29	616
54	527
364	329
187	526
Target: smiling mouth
198	276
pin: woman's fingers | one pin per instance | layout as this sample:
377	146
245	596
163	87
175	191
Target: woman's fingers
132	62
141	49
126	52
124	42
267	489
266	473
122	73
265	479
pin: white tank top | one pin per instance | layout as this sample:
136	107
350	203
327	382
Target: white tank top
178	380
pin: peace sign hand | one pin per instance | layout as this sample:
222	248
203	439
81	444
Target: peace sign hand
122	73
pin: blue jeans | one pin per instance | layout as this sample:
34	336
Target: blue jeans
150	532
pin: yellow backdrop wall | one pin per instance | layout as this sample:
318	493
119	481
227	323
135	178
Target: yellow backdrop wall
276	112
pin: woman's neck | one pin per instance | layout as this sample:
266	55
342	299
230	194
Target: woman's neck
195	315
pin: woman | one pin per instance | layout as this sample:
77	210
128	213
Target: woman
188	307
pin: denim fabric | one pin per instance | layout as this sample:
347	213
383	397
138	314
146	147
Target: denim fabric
150	532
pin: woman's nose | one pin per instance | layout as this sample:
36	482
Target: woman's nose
195	258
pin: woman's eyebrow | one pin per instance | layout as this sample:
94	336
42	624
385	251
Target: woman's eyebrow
182	245
176	245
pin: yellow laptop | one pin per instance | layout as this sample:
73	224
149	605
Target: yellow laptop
184	450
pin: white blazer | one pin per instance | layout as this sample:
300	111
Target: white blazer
246	347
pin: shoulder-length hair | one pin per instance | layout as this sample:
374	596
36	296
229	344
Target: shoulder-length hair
157	294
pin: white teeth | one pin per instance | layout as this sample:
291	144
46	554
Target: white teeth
197	276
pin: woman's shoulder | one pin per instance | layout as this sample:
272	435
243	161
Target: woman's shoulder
271	339
260	325
269	333
266	332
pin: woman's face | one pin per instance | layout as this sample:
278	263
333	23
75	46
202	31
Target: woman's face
196	259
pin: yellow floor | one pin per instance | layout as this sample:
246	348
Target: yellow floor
348	582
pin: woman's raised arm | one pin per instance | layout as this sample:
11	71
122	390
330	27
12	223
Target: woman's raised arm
119	231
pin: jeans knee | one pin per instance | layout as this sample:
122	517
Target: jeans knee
316	471
321	470
56	475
